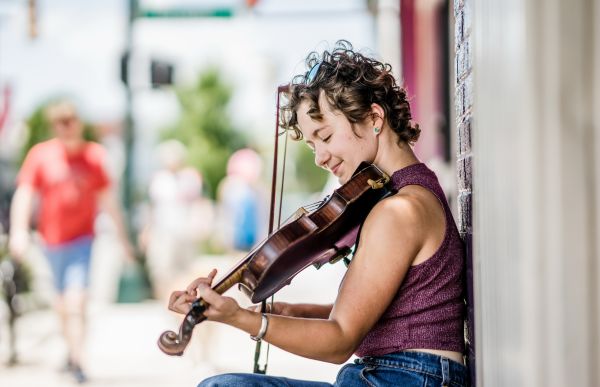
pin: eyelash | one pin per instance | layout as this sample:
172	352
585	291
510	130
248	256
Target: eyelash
325	140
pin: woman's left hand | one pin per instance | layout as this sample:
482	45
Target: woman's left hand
219	308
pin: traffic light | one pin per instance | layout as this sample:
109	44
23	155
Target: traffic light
161	73
125	68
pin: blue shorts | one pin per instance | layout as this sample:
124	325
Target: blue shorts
404	368
70	263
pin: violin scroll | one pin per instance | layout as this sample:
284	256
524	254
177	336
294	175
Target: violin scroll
173	343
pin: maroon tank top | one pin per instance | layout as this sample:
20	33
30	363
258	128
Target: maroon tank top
428	310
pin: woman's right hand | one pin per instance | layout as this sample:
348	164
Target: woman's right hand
180	301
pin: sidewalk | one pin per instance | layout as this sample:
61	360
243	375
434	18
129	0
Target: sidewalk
122	350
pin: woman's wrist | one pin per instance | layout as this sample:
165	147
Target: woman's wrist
246	320
239	318
264	325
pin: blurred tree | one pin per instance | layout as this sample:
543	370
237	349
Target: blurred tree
38	130
205	127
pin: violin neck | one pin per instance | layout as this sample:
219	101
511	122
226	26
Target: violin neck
234	276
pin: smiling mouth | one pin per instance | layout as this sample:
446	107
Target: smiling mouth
335	169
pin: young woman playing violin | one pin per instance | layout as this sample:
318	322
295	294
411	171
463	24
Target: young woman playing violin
399	307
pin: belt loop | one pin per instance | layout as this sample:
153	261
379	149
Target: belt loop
445	372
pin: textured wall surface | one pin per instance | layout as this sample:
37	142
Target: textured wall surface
464	119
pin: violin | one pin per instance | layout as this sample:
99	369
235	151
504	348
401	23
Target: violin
316	237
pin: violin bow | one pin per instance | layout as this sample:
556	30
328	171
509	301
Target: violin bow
263	306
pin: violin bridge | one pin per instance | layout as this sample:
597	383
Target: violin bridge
296	215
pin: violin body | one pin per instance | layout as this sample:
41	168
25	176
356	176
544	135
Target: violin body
314	238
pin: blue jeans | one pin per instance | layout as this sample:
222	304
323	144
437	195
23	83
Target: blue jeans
70	263
402	369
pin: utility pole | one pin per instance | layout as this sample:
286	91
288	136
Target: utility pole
32	8
129	134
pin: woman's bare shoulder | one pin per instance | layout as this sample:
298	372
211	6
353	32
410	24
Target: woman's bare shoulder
401	209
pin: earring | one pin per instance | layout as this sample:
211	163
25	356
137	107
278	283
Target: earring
376	130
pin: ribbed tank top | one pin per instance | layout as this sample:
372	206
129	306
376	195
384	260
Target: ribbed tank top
428	310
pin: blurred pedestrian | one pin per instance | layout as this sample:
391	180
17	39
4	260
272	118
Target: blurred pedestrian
68	176
180	218
241	200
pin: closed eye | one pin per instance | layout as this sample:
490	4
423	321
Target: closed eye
326	139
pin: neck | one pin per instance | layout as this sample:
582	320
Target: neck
72	145
392	156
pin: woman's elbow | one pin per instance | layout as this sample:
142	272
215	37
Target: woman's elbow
341	358
342	346
341	354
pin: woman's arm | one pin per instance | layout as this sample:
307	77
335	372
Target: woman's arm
296	310
391	237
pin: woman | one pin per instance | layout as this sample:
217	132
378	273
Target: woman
399	306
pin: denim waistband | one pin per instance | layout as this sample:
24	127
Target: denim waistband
448	370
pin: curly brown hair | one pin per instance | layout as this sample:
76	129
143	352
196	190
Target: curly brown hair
351	83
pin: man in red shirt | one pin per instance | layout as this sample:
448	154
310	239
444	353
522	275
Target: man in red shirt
68	175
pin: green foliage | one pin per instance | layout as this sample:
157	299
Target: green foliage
39	129
205	127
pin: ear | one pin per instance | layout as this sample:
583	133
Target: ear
377	115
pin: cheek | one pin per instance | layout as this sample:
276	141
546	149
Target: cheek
358	146
363	150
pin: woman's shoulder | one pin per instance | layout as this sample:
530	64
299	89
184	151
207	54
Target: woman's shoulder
401	211
407	205
394	228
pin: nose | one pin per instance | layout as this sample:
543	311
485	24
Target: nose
321	157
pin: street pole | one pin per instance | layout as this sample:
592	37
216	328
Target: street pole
129	134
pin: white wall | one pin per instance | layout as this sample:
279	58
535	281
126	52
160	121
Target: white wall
536	191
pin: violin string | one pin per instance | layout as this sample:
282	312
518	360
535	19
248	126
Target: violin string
308	208
313	206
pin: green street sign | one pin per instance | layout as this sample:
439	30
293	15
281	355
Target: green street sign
185	13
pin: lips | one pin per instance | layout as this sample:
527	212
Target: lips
335	168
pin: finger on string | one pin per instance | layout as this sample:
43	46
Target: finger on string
212	274
191	289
